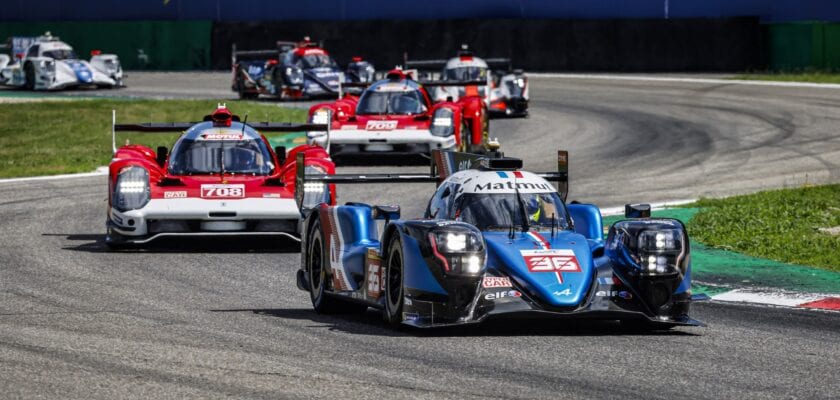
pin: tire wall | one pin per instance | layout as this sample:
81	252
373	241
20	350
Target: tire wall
161	45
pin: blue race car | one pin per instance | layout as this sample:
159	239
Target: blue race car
302	70
494	241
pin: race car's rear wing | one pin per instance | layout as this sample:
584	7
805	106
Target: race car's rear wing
362	85
175	127
252	55
443	164
492	63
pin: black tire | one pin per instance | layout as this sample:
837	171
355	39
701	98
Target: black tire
243	95
466	135
114	241
316	257
394	293
29	76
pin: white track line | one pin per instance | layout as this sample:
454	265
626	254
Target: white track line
688	80
99	172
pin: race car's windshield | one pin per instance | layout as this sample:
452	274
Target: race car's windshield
249	156
500	211
60	54
316	61
375	102
465	74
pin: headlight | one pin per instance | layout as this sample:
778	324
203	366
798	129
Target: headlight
459	252
294	75
442	122
320	116
48	66
314	193
655	247
131	190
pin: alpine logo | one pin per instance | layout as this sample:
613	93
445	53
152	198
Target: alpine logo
381	125
558	261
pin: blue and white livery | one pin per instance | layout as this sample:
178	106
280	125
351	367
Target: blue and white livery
494	241
46	63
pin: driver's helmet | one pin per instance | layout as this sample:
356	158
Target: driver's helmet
405	104
533	206
243	159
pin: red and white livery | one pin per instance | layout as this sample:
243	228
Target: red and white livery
221	178
397	116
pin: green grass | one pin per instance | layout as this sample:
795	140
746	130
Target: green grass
811	77
780	225
68	136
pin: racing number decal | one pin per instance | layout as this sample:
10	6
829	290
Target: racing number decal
554	260
373	274
222	191
381	125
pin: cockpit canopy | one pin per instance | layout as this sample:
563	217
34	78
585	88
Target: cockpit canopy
498	201
392	98
207	150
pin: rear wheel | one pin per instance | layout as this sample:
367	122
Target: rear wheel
394	283
316	265
29	76
243	95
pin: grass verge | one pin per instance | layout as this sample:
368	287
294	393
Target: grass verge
783	225
68	136
809	77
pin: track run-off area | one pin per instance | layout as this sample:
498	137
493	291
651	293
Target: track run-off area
217	318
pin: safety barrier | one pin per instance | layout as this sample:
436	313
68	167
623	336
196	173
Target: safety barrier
161	45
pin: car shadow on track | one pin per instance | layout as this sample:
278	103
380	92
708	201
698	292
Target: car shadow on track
371	323
95	243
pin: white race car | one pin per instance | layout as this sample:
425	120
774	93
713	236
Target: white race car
506	91
47	63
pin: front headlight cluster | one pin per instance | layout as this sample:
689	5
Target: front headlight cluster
655	247
458	252
131	190
659	249
320	116
48	66
294	75
442	122
314	193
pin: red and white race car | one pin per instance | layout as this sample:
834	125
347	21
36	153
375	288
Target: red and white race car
221	178
397	116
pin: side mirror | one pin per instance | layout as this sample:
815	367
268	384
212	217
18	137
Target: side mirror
386	212
281	154
637	211
162	154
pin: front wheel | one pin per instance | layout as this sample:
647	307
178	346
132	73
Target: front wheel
29	76
394	283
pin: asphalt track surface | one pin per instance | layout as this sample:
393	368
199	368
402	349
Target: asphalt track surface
224	319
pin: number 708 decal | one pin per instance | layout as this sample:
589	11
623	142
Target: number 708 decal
222	191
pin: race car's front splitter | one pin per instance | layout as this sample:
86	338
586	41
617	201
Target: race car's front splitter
604	302
203	217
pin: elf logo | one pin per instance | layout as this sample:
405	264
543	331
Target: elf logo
381	125
503	294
